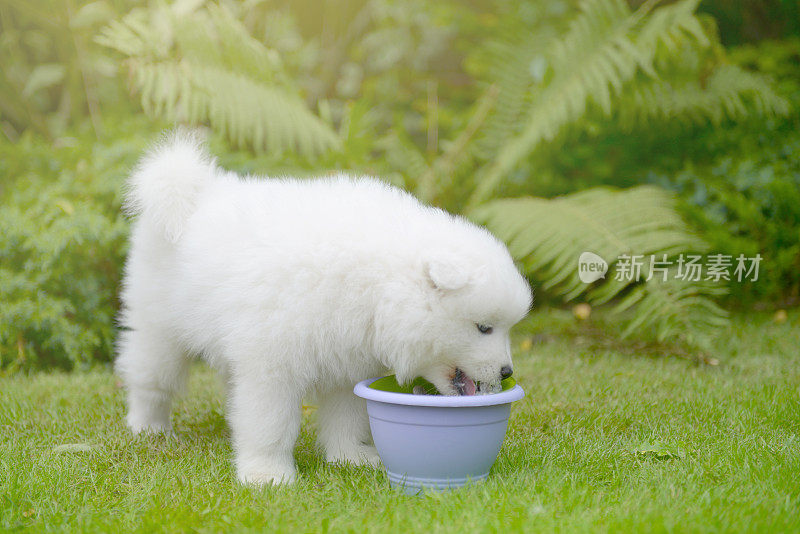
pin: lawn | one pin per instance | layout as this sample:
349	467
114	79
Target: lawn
611	436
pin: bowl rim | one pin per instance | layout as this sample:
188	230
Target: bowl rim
363	390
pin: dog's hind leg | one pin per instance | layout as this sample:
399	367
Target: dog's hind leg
343	428
264	414
153	368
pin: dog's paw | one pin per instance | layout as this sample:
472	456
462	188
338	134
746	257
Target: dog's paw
264	475
150	427
266	479
359	455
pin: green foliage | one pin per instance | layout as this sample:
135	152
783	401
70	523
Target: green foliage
741	22
738	178
743	191
750	203
549	236
459	103
620	150
602	49
62	242
195	64
728	91
51	75
641	67
623	62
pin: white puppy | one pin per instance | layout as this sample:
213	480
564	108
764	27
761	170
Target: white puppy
296	288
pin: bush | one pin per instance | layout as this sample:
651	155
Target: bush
738	181
745	196
748	203
62	243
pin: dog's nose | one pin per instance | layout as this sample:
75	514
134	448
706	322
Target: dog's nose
506	371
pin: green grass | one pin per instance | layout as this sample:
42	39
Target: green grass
719	450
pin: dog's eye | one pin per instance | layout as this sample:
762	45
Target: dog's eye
484	329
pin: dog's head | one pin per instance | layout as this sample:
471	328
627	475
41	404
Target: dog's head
470	297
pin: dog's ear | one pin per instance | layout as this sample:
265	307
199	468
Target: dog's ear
448	274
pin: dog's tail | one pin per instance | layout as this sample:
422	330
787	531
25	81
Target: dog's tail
167	182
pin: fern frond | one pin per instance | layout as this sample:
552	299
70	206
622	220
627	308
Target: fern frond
517	69
728	93
230	47
201	66
674	309
548	236
401	153
605	46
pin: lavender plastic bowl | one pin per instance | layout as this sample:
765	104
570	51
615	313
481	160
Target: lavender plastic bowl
434	441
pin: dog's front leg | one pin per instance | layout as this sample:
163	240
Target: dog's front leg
265	421
343	428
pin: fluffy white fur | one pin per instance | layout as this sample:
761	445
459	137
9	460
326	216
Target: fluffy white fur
300	288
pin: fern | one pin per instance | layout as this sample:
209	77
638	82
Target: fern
201	65
643	66
608	56
674	309
728	92
548	236
598	54
516	68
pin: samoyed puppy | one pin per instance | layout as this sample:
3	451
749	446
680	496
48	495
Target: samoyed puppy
300	288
